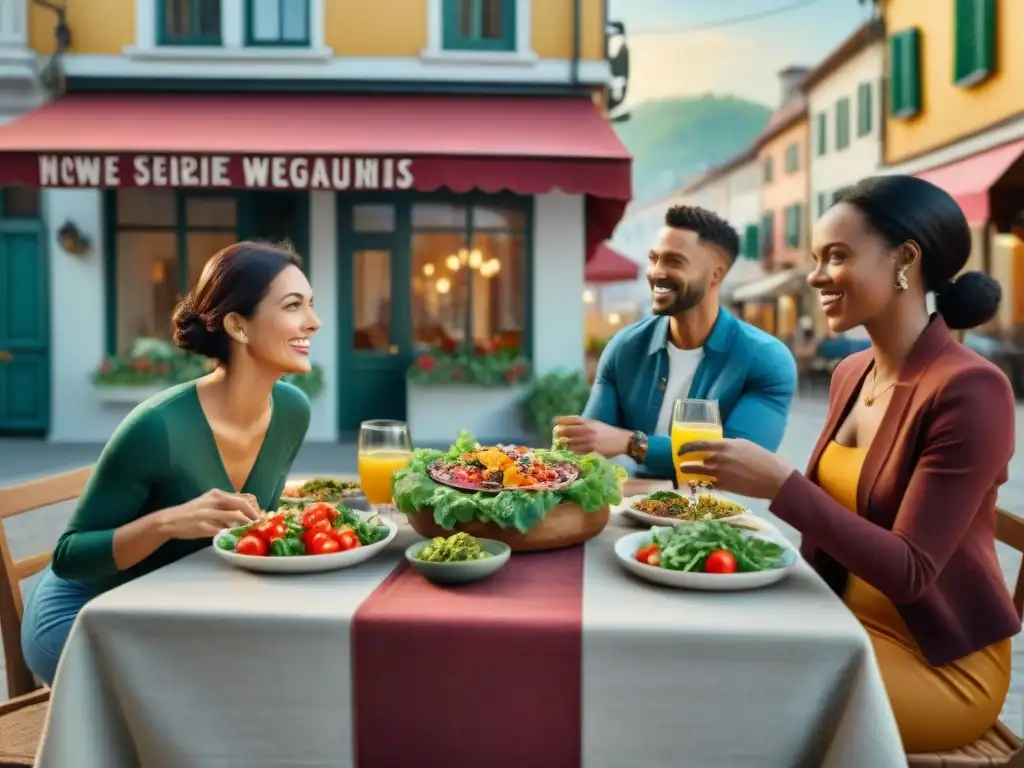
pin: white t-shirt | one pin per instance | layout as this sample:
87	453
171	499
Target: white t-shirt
682	364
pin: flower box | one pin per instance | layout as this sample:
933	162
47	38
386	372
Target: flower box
433	412
127	396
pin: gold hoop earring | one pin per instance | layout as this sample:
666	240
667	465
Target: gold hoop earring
901	279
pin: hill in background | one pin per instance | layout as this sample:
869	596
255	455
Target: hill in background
674	140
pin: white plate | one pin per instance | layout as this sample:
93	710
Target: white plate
305	563
646	518
627	546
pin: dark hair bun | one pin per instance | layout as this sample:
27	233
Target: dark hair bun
969	301
192	333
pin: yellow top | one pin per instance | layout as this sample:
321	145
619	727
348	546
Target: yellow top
936	708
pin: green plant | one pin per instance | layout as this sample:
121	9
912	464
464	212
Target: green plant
413	490
559	393
155	362
501	368
596	346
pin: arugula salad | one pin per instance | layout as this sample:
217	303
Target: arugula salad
711	547
413	490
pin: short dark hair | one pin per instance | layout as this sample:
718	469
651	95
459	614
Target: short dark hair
234	280
709	226
901	208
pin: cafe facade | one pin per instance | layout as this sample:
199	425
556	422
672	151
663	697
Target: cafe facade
425	222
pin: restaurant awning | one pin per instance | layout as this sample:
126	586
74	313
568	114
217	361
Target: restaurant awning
526	145
609	266
743	272
969	180
772	286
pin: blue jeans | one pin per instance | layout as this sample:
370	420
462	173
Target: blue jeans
49	615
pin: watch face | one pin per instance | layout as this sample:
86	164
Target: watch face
640	439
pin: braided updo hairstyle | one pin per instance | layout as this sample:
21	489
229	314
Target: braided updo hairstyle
234	280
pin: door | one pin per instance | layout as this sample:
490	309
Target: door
374	331
24	318
277	217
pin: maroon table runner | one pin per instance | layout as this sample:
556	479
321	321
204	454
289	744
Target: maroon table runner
486	674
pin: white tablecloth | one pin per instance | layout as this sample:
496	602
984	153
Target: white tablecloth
199	665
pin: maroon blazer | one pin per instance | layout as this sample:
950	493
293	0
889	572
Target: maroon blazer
924	532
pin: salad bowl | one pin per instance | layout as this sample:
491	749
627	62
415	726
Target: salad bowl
627	547
460	571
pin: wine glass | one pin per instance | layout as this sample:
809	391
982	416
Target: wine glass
693	420
384	448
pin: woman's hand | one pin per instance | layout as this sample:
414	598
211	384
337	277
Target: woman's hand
738	466
208	514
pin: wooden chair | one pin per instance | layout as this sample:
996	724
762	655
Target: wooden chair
1000	746
22	717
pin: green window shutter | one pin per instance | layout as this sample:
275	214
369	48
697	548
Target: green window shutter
793	226
821	129
767	234
751	247
905	73
842	124
974	55
822	203
479	25
188	22
769	170
792	158
864	105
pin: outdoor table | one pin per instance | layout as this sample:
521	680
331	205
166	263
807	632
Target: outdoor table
560	660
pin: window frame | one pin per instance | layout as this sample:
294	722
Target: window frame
792	158
793	233
865	107
250	25
974	41
767	237
904	72
163	39
452	40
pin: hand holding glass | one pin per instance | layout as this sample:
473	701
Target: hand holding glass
384	448
693	420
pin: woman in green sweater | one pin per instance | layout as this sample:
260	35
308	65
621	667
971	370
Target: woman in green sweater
196	458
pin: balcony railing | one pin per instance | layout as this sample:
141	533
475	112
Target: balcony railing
14	23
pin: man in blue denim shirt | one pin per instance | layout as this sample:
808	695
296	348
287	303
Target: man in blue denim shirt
690	348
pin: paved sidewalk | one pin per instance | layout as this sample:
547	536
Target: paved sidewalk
21	459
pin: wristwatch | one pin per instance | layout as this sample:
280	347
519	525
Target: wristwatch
636	448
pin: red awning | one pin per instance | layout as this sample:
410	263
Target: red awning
609	266
526	145
970	179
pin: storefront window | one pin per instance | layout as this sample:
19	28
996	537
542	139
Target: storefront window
469	275
163	240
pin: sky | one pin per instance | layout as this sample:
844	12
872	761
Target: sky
740	59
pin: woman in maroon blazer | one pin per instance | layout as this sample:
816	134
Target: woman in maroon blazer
897	508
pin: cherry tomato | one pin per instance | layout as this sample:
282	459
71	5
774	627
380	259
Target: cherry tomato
347	539
269	530
252	545
314	513
324	546
644	554
720	561
321	527
313	539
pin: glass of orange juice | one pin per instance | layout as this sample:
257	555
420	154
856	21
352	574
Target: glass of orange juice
693	420
384	448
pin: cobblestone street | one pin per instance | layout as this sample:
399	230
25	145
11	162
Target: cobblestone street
38	531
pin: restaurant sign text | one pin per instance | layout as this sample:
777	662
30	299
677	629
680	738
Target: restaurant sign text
231	171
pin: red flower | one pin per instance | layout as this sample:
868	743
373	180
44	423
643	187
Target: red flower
105	365
511	375
449	345
458	373
141	364
426	362
164	369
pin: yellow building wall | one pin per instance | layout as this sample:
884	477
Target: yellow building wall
351	27
97	26
787	189
948	112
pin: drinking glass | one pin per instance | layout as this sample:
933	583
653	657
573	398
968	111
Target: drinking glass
693	420
384	448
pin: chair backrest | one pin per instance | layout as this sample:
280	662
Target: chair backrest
17	500
1010	531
